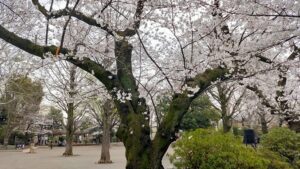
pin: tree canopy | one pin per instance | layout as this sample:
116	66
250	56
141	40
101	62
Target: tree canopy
140	49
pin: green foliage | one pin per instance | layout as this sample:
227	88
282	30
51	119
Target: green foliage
200	115
22	96
24	90
237	131
276	162
21	99
207	149
285	142
57	116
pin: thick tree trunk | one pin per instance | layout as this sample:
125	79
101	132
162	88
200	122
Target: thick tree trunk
136	140
134	130
69	147
105	154
141	152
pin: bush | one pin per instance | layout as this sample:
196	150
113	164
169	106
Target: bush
207	149
276	162
284	142
237	131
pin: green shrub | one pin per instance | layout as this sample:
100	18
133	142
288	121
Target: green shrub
237	131
207	149
285	142
276	162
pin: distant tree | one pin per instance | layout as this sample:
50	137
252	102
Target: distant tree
85	123
264	119
69	89
201	114
228	101
57	116
21	100
105	115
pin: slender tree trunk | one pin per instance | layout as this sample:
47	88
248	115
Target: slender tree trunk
31	147
105	154
5	142
70	121
226	124
264	124
6	136
264	128
69	131
9	124
281	120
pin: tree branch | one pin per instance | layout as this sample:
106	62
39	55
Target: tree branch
98	70
69	12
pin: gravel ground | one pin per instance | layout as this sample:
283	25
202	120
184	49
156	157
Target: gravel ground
85	158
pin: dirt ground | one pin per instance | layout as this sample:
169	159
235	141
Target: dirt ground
85	158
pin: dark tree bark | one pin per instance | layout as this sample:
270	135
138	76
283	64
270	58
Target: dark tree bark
227	124
134	130
294	125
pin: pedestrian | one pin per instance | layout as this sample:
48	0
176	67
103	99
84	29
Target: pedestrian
51	144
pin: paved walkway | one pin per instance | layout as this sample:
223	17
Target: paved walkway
52	159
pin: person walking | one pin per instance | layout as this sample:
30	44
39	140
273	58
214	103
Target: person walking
51	144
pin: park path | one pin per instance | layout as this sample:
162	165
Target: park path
52	159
